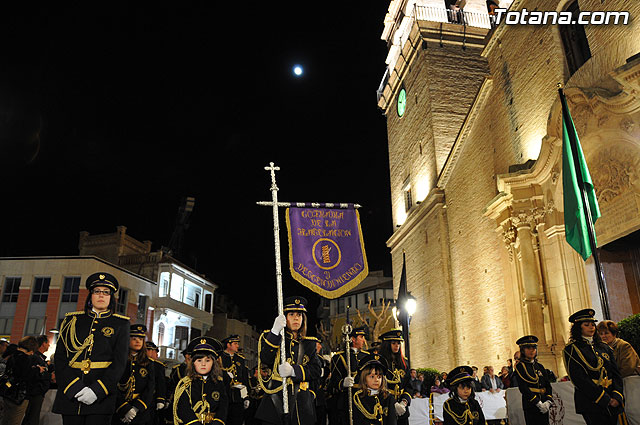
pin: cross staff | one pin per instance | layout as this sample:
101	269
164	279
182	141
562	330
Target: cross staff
276	237
272	168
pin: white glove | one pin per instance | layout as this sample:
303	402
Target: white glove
401	409
128	417
246	404
159	406
348	382
86	396
542	407
278	324
548	403
286	370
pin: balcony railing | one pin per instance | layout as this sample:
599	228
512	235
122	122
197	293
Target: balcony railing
429	14
459	17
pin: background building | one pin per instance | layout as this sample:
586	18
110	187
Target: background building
227	320
37	292
376	289
474	132
174	301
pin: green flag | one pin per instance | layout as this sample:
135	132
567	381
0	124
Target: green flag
575	216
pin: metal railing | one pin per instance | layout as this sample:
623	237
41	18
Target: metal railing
459	17
431	14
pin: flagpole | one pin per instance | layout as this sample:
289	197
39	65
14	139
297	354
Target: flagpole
276	239
602	286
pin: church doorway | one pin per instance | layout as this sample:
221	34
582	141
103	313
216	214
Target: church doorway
621	266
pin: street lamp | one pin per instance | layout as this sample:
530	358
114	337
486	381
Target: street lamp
406	308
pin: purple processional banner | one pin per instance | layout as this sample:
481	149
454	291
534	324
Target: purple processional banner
326	249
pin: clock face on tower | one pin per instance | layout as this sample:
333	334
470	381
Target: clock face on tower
402	102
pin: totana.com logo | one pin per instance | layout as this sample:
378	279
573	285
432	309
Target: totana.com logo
525	17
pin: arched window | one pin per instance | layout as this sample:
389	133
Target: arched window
574	39
161	334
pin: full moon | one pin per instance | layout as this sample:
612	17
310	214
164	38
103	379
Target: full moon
297	70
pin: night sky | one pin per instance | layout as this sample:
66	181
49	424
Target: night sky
110	116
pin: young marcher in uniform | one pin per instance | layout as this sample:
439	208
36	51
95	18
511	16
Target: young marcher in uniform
91	355
160	390
302	366
462	408
178	372
234	365
319	387
372	403
592	368
137	385
201	397
341	380
398	374
535	385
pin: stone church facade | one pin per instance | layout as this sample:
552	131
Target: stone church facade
475	139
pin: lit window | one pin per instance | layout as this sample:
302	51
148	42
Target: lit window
406	191
177	282
164	284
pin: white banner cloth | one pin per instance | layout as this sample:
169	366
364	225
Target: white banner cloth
563	411
494	406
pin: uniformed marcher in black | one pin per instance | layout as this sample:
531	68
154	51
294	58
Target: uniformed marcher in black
462	408
337	386
372	402
302	367
533	382
593	371
178	372
319	386
160	390
256	394
398	376
234	366
137	385
201	397
91	355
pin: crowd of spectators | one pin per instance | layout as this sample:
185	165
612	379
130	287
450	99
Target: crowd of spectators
25	378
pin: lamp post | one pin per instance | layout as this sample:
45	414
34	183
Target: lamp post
406	304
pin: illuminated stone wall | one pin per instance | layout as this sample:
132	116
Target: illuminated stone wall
486	254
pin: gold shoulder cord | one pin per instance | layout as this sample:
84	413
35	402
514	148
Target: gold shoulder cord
533	379
70	339
129	386
586	365
459	419
377	413
183	386
274	370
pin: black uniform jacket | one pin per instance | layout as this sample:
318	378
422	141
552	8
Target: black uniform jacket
398	378
234	366
320	385
91	352
458	413
534	383
200	401
593	371
339	372
135	389
178	372
373	409
306	366
160	389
